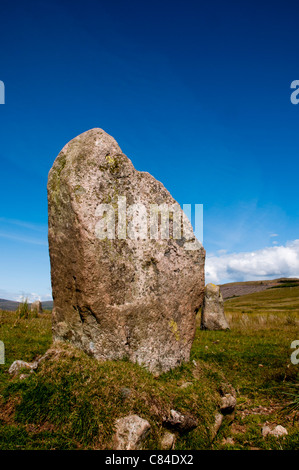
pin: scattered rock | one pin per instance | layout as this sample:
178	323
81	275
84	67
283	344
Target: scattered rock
125	392
266	430
213	317
37	306
278	431
24	376
228	399
229	441
16	367
217	424
168	441
132	296
228	404
181	422
130	433
186	385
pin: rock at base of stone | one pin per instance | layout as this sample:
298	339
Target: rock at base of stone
212	316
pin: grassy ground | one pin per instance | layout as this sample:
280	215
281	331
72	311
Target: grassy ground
72	401
255	357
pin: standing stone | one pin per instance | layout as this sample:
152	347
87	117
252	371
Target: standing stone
134	296
213	317
37	306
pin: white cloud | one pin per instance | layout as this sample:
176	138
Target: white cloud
269	262
31	297
273	235
19	297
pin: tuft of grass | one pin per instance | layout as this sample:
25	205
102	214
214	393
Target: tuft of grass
292	393
23	309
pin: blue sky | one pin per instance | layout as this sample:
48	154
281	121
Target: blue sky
196	93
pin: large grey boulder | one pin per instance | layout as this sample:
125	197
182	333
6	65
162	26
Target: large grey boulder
213	317
133	296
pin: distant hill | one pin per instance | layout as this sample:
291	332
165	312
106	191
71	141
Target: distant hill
237	289
12	306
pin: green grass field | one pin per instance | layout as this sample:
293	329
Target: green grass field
72	401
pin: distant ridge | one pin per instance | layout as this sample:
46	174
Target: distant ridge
12	306
236	289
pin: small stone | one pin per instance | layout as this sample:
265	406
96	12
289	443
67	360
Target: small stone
228	404
167	441
265	431
186	385
213	317
278	431
217	424
23	376
228	399
181	422
130	433
229	441
125	392
18	365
